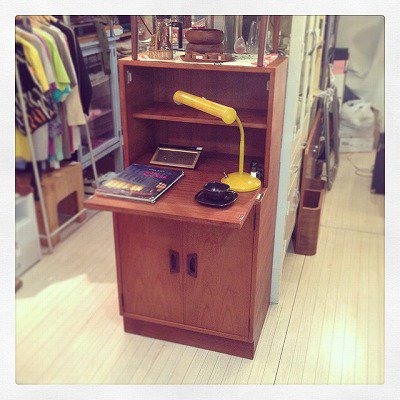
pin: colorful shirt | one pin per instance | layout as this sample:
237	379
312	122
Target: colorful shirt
61	76
33	58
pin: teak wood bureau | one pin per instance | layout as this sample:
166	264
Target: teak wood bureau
188	273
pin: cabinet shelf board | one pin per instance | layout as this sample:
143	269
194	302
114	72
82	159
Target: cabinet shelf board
172	112
178	202
237	66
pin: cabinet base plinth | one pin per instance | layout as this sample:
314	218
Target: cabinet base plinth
190	338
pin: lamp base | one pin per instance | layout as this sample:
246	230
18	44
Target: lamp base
242	182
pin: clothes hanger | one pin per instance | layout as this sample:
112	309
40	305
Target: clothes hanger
23	22
33	21
40	19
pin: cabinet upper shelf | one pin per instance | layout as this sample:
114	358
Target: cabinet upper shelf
172	112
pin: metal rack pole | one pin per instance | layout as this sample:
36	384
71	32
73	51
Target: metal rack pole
34	163
67	21
89	141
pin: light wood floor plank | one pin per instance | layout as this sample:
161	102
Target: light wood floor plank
349	345
67	367
220	368
290	281
128	361
351	205
308	288
337	345
376	313
47	341
176	354
38	298
147	361
231	371
134	363
207	368
311	358
195	366
160	363
107	372
343	322
183	365
334	264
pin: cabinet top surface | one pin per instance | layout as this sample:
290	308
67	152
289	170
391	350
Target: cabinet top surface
235	66
178	202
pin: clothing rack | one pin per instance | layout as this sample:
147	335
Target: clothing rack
48	235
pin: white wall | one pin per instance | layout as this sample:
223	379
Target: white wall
364	36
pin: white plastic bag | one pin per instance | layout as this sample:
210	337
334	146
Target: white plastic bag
356	119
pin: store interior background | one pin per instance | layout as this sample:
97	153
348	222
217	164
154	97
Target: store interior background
326	321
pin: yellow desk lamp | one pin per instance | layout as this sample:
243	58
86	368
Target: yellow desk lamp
238	181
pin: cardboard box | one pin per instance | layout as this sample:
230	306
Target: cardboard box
356	145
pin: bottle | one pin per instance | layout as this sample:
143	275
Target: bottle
252	46
165	44
175	33
254	169
240	46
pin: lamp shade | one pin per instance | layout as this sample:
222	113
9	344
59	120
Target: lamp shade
227	114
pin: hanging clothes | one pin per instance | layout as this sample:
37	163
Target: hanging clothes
75	115
63	82
84	83
39	107
60	94
59	152
34	62
43	54
53	76
41	138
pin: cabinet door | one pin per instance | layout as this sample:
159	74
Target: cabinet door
149	259
218	277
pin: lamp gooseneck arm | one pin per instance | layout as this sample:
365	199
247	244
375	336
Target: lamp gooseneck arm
241	147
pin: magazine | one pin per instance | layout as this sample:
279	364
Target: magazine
140	182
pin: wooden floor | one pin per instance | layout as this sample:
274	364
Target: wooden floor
327	328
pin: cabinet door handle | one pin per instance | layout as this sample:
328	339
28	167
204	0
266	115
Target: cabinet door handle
191	264
173	262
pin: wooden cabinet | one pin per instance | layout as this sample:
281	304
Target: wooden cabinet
187	273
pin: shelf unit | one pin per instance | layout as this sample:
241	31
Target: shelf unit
169	112
219	299
105	129
306	47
